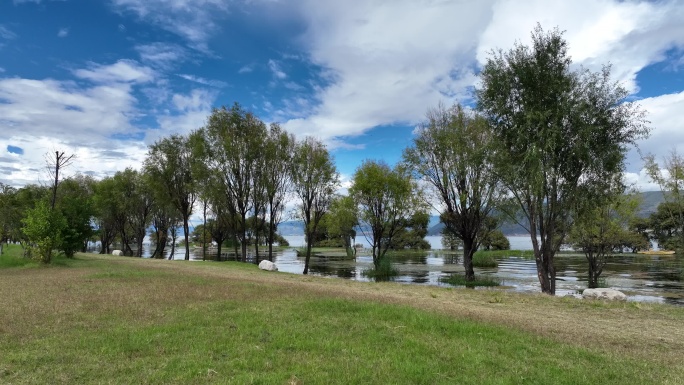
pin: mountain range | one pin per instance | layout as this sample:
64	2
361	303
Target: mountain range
649	203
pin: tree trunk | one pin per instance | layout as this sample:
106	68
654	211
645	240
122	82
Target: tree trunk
186	230
308	253
204	231
468	259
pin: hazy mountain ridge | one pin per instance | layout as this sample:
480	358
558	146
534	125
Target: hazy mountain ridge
649	204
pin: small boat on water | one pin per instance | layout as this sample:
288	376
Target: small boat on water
657	252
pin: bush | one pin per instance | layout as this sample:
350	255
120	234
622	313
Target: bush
496	240
383	272
43	228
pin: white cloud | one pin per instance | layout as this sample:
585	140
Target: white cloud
126	71
162	55
275	69
206	82
193	20
387	61
245	69
63	32
189	113
97	122
6	33
667	122
628	34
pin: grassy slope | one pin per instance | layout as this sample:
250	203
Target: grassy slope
103	319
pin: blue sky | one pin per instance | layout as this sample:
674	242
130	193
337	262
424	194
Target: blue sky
104	79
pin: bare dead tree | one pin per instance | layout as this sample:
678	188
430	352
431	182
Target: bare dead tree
60	161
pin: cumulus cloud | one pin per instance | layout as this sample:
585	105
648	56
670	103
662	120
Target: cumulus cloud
387	61
63	32
628	34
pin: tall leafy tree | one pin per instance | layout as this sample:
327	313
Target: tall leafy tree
234	144
314	180
600	232
169	165
563	134
452	154
106	210
670	178
387	198
341	222
75	202
278	158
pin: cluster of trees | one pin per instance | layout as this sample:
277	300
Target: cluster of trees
545	146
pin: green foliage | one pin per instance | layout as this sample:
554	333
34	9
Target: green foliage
450	241
382	271
13	256
484	260
411	233
452	153
43	228
74	201
496	240
341	220
562	134
169	166
387	198
314	180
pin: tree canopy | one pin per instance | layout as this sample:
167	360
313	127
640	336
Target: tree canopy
562	133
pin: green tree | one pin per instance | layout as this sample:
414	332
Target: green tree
341	222
563	134
669	219
387	198
8	213
314	180
600	232
411	232
75	203
451	153
43	228
496	240
278	160
666	225
106	208
234	143
169	165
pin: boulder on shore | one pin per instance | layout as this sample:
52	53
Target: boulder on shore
609	294
267	265
117	252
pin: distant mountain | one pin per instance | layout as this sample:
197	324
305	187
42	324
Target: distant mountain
289	228
649	204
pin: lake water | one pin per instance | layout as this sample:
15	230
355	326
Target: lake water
641	277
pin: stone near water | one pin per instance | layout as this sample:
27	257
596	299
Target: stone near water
610	294
117	252
268	266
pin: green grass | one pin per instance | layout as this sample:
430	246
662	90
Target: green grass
123	320
460	280
483	260
13	257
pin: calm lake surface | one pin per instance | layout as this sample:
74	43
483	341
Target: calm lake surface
640	277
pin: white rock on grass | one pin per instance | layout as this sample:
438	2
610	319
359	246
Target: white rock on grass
117	252
610	294
268	266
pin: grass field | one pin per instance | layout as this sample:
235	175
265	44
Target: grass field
104	319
